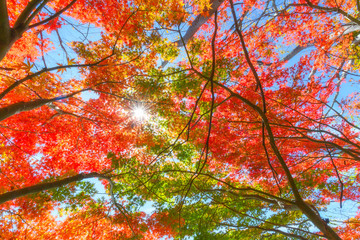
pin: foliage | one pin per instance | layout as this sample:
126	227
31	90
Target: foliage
251	129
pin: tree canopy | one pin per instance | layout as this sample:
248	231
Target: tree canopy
231	119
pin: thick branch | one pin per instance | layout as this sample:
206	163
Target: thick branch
16	108
45	186
198	22
294	52
20	21
8	35
19	107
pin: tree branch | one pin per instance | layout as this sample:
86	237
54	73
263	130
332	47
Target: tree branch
198	22
57	14
20	21
5	197
19	107
334	9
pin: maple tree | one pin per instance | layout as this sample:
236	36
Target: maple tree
251	134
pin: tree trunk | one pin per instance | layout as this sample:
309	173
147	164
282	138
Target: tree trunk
5	30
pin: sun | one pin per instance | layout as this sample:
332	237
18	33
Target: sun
139	113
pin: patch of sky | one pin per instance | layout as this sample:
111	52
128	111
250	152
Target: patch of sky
61	52
86	96
102	193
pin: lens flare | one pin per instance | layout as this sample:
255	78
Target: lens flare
140	113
